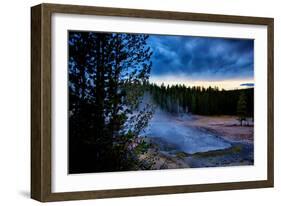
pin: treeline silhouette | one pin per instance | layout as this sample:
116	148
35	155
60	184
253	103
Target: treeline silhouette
200	100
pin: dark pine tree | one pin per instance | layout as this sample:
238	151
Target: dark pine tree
106	74
242	108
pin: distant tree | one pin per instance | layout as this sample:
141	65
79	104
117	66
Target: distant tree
193	103
242	108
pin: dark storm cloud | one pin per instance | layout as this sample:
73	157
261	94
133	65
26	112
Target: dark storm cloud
202	57
247	85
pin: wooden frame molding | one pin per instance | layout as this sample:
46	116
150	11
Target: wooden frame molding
41	101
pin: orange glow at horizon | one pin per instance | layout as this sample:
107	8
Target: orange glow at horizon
221	84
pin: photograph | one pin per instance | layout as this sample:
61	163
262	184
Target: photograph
155	101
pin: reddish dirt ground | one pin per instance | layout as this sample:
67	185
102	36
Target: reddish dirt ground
225	126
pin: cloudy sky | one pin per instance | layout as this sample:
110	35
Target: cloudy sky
194	61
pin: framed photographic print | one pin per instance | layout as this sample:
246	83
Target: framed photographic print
132	102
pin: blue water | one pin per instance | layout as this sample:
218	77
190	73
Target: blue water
189	139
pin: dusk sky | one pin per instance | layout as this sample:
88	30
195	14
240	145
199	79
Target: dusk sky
223	62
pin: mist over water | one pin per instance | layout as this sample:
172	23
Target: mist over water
171	129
